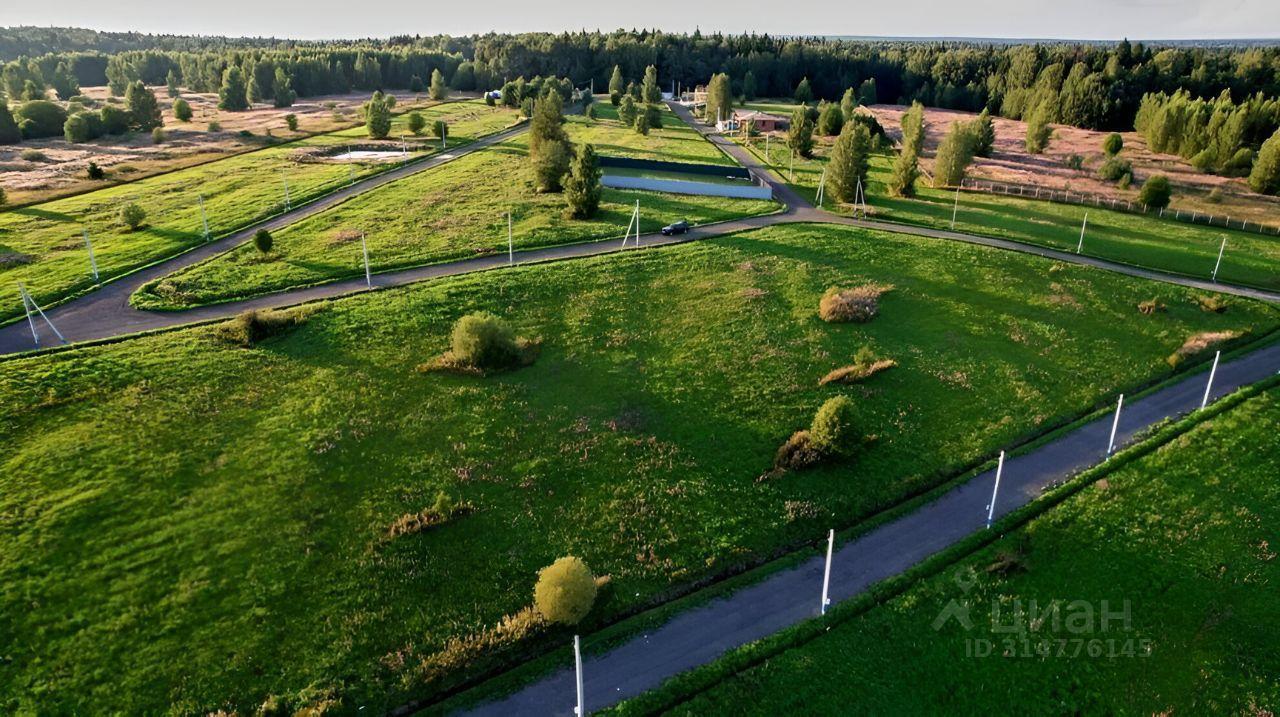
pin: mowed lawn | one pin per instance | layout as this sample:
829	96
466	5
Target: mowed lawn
1185	535
1141	240
189	525
453	212
42	245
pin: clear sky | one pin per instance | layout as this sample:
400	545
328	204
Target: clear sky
318	19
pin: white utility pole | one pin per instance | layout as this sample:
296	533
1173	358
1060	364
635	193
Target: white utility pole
1219	262
35	336
93	263
1083	224
351	174
511	247
826	575
204	218
1205	401
580	710
991	509
1115	423
955	207
364	249
822	181
27	301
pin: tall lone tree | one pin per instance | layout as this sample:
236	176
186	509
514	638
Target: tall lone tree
617	85
848	104
377	116
649	90
803	93
906	168
549	149
1038	129
144	110
719	98
233	95
582	187
954	155
850	158
282	88
984	134
171	83
439	90
800	133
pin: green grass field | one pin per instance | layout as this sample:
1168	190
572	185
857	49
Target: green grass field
453	212
46	238
190	526
1249	259
1186	535
675	142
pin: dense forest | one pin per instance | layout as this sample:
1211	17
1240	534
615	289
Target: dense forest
1222	98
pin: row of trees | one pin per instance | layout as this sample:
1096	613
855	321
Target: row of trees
1216	135
1095	86
43	118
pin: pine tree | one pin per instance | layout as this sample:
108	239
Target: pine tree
719	99
1265	177
803	93
233	96
171	83
439	90
582	187
906	169
849	160
416	123
848	103
954	155
830	120
549	148
913	129
616	83
800	133
377	116
65	83
984	133
1038	129
282	86
144	110
627	111
649	91
642	123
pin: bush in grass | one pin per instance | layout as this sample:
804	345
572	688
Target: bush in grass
627	111
114	120
181	110
215	126
654	115
1214	196
565	591
642	123
582	187
252	326
439	128
484	341
263	241
82	127
158	136
133	216
1075	161
1156	192
93	171
417	122
377	116
32	155
1113	169
40	118
797	453
1126	181
291	121
859	304
865	364
489	100
832	429
1113	144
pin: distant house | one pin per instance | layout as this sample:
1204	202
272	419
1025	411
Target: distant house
757	121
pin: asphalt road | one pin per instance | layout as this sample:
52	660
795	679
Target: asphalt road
106	313
700	635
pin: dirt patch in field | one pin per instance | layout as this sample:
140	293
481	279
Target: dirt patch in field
133	156
1010	162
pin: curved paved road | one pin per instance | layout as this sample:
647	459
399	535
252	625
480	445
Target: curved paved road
106	313
700	635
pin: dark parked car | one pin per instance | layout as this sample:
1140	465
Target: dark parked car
679	227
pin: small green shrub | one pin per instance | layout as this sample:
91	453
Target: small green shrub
93	171
797	453
1113	169
263	241
181	110
252	326
1076	162
158	136
1126	181
1156	192
133	216
832	429
417	122
1214	196
32	155
215	126
1113	144
291	121
484	341
565	591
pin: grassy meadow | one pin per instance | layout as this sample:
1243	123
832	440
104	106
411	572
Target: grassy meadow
1141	240
1185	534
188	526
42	245
453	212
